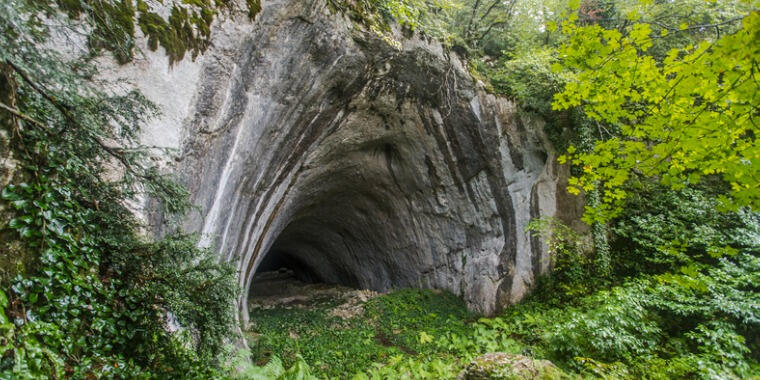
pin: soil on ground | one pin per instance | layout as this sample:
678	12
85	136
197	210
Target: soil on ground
281	289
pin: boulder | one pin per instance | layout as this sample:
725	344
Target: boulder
503	366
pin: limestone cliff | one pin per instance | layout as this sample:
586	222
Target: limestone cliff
303	135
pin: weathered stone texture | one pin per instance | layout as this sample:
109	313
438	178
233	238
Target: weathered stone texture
369	165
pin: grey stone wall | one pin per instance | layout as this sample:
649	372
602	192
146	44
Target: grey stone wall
373	166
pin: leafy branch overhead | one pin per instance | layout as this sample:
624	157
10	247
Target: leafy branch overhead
691	114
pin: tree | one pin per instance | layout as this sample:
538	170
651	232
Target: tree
678	119
484	17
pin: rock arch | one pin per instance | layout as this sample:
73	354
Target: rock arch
375	166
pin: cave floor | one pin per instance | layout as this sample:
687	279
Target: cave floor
341	331
282	290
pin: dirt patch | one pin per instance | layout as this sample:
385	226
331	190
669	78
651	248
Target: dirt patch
354	304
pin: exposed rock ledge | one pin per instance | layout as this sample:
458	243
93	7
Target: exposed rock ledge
306	136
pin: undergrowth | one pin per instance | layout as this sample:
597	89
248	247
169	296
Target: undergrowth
651	327
691	311
393	326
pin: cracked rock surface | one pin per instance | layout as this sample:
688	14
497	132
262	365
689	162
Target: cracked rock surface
305	136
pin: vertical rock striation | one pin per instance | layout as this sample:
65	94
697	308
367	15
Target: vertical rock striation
372	166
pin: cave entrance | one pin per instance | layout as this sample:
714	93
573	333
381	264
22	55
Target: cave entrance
350	224
284	286
280	273
283	279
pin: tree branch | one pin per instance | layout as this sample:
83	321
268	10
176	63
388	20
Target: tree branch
61	107
113	151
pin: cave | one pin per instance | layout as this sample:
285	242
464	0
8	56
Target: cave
348	224
279	261
379	204
277	272
354	162
344	225
384	193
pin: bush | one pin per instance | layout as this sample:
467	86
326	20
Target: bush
701	322
611	326
664	229
572	263
529	79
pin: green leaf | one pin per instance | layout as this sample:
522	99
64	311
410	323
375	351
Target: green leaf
16	223
9	194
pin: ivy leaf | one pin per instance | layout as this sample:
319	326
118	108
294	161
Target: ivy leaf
8	194
56	226
26	232
16	223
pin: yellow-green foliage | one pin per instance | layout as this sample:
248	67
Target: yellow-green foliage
691	115
188	28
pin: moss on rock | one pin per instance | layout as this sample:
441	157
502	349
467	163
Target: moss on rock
503	366
187	29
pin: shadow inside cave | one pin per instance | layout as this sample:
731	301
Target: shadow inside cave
281	275
284	282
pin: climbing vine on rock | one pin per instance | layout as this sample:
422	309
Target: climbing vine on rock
93	298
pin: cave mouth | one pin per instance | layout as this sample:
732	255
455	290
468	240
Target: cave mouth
350	224
281	261
282	274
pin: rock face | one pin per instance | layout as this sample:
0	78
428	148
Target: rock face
503	366
305	136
